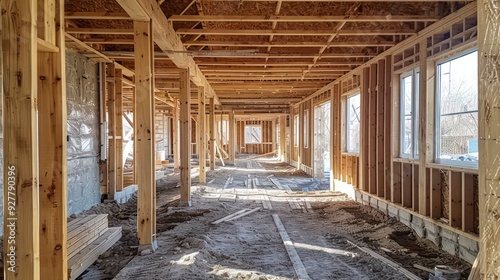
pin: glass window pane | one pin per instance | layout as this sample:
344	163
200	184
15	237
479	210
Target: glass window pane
353	124
457	109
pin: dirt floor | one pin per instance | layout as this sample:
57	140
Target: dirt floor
322	225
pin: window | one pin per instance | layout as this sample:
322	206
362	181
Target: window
296	130
253	134
409	114
352	123
306	128
456	110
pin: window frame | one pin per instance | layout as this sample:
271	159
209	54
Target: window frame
415	88
347	121
261	135
437	114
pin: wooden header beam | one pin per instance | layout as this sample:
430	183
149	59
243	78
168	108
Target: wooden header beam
277	44
243	18
166	39
268	32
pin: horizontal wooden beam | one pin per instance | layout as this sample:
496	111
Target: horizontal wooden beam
275	44
100	31
348	1
206	69
274	64
97	15
270	100
269	18
268	32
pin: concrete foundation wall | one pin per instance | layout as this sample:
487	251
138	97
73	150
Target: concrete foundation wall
454	242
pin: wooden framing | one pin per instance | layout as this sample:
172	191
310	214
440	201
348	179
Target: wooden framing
144	127
379	153
111	159
282	132
185	143
52	134
175	134
202	140
232	138
272	18
20	139
212	134
118	120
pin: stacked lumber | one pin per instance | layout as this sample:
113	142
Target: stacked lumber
88	238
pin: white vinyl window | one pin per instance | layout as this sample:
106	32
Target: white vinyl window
296	130
353	123
253	134
409	114
457	110
306	128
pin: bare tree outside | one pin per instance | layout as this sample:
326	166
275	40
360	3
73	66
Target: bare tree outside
458	108
353	123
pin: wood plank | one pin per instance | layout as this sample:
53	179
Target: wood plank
175	135
52	142
118	119
467	202
407	183
229	216
263	32
298	266
435	197
396	183
387	126
361	18
415	186
380	136
212	134
86	237
355	175
111	106
89	221
372	130
185	132
20	140
202	140
144	127
455	198
86	257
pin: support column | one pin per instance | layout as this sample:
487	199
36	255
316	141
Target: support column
273	132
489	135
291	152
119	128
52	133
231	139
282	137
21	210
202	141
111	159
175	135
185	143
144	126
212	133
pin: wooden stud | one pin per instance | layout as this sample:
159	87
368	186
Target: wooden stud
365	125
467	202
185	142
349	169
119	128
20	162
232	138
212	134
414	187
435	197
380	156
52	133
282	138
111	105
144	127
455	198
396	193
407	184
372	130
387	127
355	168
202	140
175	135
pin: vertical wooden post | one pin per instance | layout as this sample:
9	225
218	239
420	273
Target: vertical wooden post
144	126
489	133
387	127
185	143
380	156
119	128
212	133
282	137
364	125
21	215
232	139
273	132
111	159
52	115
202	141
175	135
